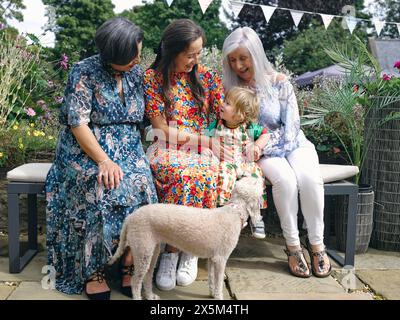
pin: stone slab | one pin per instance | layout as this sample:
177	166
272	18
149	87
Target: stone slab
260	266
377	259
383	282
198	290
32	272
6	290
303	296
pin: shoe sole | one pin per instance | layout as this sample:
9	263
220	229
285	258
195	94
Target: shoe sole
165	288
184	284
259	236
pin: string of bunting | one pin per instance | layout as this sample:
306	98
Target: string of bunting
268	11
351	21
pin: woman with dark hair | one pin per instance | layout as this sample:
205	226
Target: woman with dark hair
100	173
182	99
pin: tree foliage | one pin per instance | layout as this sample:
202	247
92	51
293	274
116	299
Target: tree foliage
389	11
11	10
75	24
281	26
306	52
154	17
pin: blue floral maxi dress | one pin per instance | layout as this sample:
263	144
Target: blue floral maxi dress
83	218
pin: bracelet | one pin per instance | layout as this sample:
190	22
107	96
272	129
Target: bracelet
104	161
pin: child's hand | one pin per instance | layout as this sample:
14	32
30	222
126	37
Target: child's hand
206	152
252	152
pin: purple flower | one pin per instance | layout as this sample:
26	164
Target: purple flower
64	62
385	77
2	26
30	112
50	83
397	65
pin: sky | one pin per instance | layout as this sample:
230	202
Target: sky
34	17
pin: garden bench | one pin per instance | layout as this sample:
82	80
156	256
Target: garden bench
26	179
30	179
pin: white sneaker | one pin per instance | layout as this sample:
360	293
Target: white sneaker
187	270
166	274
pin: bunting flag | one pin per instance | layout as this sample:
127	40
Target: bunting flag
237	7
296	15
204	4
268	12
327	19
379	25
351	23
169	2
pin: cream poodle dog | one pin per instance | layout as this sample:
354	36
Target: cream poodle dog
205	233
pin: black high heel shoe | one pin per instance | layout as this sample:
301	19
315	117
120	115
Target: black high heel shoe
98	276
126	271
320	265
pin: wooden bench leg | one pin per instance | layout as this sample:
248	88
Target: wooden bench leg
13	233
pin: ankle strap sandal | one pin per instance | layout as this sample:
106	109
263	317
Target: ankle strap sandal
318	267
97	276
302	268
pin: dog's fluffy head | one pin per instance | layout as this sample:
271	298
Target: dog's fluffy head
250	189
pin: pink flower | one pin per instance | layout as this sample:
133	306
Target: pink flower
397	64
385	77
64	61
30	112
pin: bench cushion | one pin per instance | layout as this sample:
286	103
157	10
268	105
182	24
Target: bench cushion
334	172
37	172
29	172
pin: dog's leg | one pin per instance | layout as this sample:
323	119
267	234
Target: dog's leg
121	245
148	280
142	260
219	269
211	280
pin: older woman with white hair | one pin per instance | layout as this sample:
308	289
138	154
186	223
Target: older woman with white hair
289	161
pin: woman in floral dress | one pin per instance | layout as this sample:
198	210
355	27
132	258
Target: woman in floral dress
182	99
100	173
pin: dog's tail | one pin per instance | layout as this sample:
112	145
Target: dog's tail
121	245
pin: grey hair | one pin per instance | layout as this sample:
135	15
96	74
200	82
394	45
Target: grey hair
247	38
117	40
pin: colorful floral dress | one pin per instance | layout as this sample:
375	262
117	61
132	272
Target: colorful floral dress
181	175
83	218
229	172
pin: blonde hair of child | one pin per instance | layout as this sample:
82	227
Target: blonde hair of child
245	102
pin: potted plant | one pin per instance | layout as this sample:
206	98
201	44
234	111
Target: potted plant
345	107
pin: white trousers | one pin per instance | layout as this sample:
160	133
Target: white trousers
297	174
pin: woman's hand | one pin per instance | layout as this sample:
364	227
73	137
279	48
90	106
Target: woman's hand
110	174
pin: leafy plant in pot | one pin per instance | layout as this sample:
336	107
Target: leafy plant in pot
344	108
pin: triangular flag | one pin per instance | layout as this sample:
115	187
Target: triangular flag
351	23
236	8
327	19
268	12
398	27
296	15
204	4
169	2
378	25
